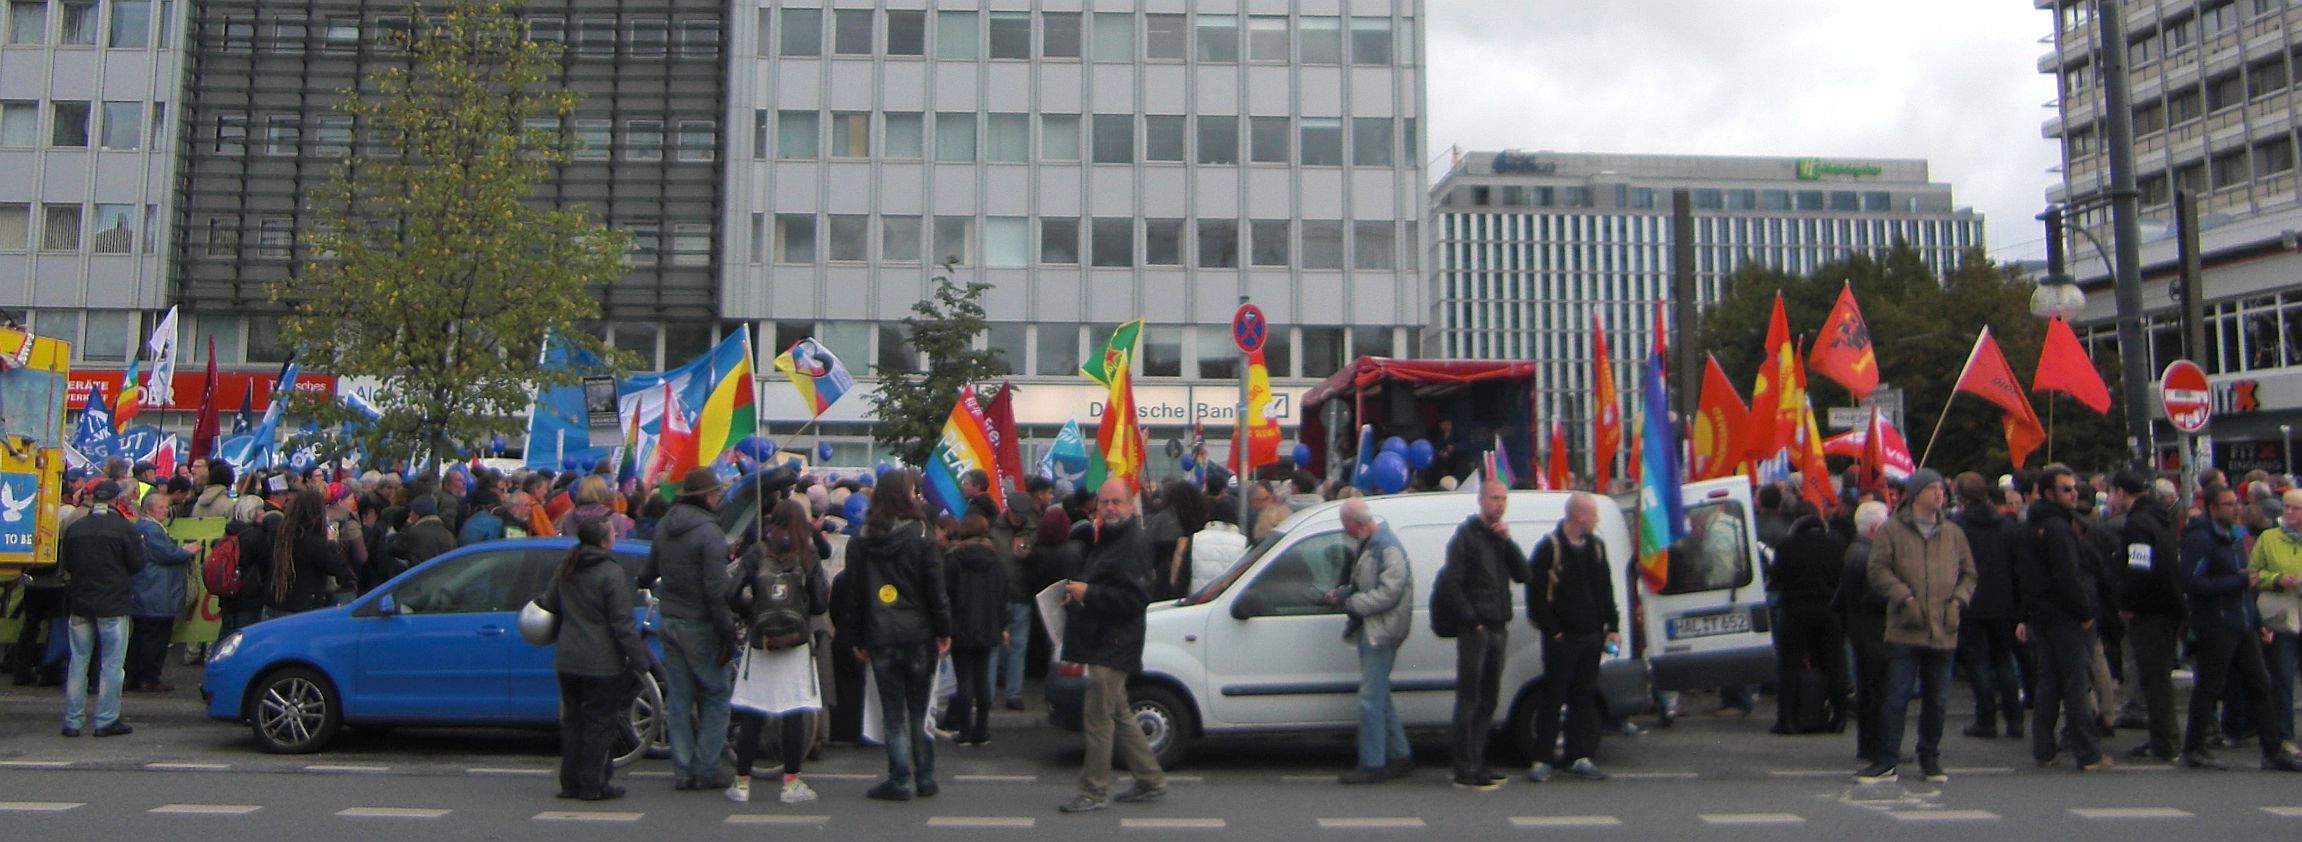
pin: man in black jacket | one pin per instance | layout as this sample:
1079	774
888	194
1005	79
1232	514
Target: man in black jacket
1103	628
2059	608
2152	606
687	568
1486	562
1571	600
1986	630
1808	566
1864	612
101	553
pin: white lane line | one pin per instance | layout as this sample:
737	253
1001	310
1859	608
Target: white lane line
205	809
347	769
188	767
1307	779
1808	773
995	779
1372	823
773	820
653	773
841	776
49	806
581	816
2129	813
1186	779
980	822
1542	822
1656	776
2284	812
1171	824
1751	819
35	764
1926	816
498	771
2144	767
1982	770
391	813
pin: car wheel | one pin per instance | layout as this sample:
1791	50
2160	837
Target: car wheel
640	730
295	711
1166	721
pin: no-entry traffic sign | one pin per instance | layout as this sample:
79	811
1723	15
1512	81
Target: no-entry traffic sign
2183	392
1249	328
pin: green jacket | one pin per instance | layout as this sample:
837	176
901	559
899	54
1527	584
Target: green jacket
1936	574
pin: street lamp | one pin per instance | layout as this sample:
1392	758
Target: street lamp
2286	441
2056	295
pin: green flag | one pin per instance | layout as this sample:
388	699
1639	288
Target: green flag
1120	344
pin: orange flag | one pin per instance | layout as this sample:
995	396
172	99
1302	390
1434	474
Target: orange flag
2063	367
1607	417
1842	352
1767	431
1806	452
1988	377
1719	416
1555	473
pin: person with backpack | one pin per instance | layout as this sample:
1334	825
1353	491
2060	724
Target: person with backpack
977	582
1475	589
778	585
1572	605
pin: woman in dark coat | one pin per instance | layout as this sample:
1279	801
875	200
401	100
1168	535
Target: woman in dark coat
597	656
303	559
977	582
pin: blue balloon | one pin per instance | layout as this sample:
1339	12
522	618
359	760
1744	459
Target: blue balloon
568	462
1396	445
823	451
1390	473
832	478
882	469
1302	455
497	444
757	448
1420	454
853	508
866	480
1189	463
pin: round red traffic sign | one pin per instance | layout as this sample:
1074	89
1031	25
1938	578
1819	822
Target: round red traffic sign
1249	328
2183	392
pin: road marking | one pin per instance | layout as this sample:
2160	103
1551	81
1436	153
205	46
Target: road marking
205	809
346	769
1308	779
1535	822
2284	812
188	767
995	779
1171	824
778	820
1983	770
1186	779
391	813
510	772
841	776
660	774
34	764
581	816
2129	813
1751	819
980	822
1655	776
1808	773
1372	823
1923	816
61	806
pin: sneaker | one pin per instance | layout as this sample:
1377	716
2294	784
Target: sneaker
1083	804
1875	773
1630	729
2221	741
740	791
927	788
1539	773
117	728
1139	793
2144	752
2202	760
1475	782
1364	775
2290	748
70	731
888	791
1490	775
1586	770
2281	763
2100	764
1933	771
796	791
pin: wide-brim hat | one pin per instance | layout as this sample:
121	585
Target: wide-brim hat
699	482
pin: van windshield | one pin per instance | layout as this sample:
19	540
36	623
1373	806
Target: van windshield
1246	560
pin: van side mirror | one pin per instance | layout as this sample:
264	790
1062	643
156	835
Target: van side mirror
1250	604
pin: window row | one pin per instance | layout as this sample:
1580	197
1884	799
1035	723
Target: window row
2182	31
2225	168
1124	37
77	124
1115	242
2184	104
126	24
1169	350
590	139
967	137
74	228
600	36
1705	198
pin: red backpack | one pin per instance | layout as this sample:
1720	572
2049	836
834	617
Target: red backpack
221	571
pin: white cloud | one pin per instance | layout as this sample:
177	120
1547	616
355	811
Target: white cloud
1954	82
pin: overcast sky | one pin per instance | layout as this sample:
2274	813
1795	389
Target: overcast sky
1954	82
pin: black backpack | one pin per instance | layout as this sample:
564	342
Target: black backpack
1447	608
778	605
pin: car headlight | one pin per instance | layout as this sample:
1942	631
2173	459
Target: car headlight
225	647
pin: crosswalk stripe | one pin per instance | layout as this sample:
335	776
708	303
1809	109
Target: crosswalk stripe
507	772
1807	773
1171	824
346	769
40	806
391	813
187	767
582	816
2284	812
1656	776
2129	813
841	776
1923	816
1372	823
1747	819
995	779
1982	770
35	764
976	822
205	809
774	820
1533	822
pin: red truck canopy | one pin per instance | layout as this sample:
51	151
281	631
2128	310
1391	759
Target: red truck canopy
1482	397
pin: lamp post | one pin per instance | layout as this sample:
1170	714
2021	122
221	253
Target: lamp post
2286	442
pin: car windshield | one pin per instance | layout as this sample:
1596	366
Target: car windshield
1246	560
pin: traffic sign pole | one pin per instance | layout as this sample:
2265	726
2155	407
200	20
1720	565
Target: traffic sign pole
2189	405
1245	324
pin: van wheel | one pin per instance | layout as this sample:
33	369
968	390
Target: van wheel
1166	721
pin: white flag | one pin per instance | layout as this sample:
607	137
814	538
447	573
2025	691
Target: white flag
159	386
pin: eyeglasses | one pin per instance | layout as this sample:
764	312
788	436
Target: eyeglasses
2066	489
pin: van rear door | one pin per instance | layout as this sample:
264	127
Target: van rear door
1709	626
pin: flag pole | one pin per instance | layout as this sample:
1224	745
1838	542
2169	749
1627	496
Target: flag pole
1945	416
2050	428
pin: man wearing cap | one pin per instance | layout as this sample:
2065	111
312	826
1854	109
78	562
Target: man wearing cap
1924	569
2152	605
426	535
687	567
101	554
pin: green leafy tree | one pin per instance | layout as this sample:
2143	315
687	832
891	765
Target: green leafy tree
912	405
436	273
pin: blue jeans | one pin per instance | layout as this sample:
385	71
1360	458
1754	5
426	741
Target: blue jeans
1909	669
1007	661
2283	655
695	692
905	675
1382	738
88	634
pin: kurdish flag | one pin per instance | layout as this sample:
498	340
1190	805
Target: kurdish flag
965	446
729	412
817	374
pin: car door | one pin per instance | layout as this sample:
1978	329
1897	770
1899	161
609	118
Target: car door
1287	662
442	649
532	689
1709	626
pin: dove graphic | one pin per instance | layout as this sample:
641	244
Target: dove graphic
12	508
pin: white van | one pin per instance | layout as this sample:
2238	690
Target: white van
1259	650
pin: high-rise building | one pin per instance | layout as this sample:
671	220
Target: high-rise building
1531	247
2215	112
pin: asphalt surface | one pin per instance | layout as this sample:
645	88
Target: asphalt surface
1717	777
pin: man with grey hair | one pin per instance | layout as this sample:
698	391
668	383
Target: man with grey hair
1380	603
1570	599
1865	615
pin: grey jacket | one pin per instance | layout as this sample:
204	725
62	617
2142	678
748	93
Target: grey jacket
1381	597
598	634
687	567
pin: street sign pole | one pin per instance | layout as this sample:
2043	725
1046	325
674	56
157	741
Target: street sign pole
1248	331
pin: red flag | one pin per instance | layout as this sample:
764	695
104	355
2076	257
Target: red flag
1813	469
674	444
1607	413
1768	429
206	421
1842	353
1890	457
1555	473
1005	444
2063	367
1262	429
1987	376
1719	417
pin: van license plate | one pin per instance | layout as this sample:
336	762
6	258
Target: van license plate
1707	625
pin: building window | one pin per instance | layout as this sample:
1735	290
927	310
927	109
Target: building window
698	140
1218	139
906	135
1877	201
1218	244
650	38
1322	244
1006	242
131	24
1010	35
114	231
1322	141
1113	242
1007	138
548	30
59	227
109	334
895	351
1219	39
2184	107
595	139
2274	156
1268	141
595	37
1058	350
15	227
2225	91
2264	78
1059	35
899	239
796	134
1371	142
1162	242
28	22
1268	242
1114	36
1114	138
955	137
79	23
906	32
123	126
1371	41
700	38
1059	137
691	244
643	140
955	35
802	33
1163	138
69	124
646	241
332	136
847	238
1374	245
851	32
19	123
795	238
2230	168
1320	39
1059	240
275	238
281	134
850	134
1267	38
2191	178
954	240
1165	38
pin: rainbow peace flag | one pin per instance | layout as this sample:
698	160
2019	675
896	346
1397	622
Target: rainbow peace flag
729	412
965	446
817	374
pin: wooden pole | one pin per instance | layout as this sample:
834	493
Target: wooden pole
1945	416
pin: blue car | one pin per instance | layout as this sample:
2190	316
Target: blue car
437	645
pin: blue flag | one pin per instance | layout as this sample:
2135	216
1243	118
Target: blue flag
1067	458
94	434
1662	515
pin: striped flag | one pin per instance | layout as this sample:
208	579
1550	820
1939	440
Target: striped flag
965	446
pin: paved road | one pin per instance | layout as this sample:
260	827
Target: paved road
1714	777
